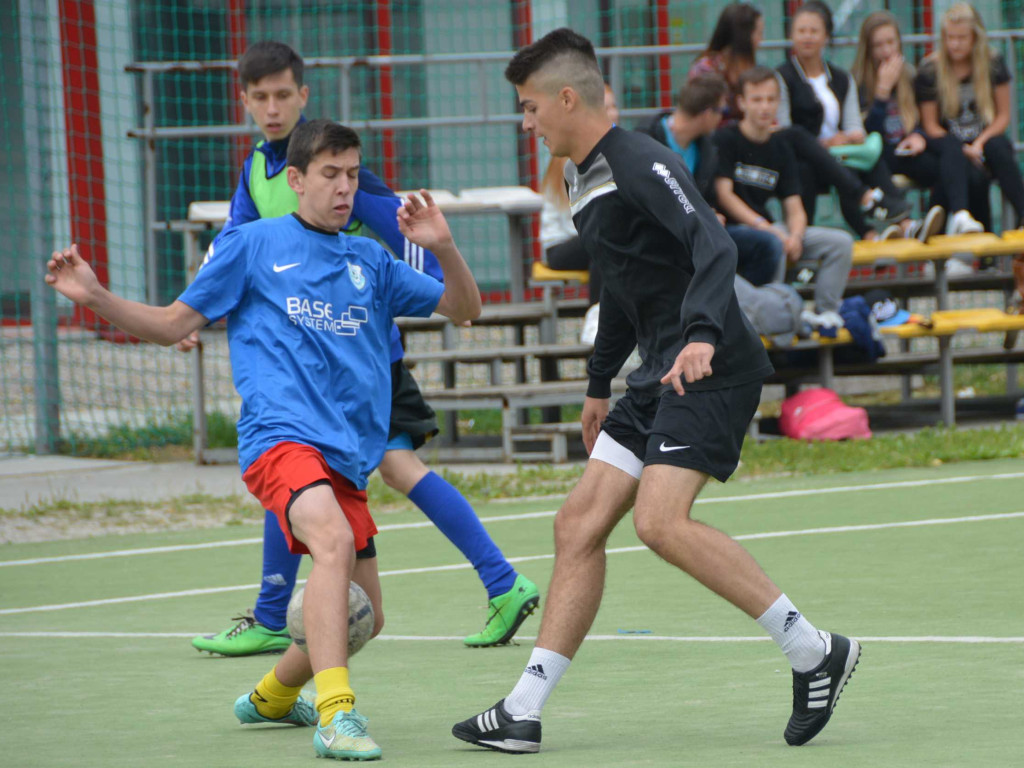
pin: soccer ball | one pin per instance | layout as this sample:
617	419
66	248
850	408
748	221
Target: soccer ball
360	619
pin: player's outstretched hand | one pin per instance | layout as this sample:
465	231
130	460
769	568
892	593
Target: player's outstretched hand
595	410
692	364
69	273
189	343
422	222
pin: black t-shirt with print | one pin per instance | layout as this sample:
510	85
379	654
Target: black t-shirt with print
758	171
969	123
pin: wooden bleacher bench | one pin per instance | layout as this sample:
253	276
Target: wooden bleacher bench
495	356
510	399
556	435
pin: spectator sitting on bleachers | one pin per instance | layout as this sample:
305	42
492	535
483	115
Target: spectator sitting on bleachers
885	83
731	51
756	164
963	89
558	237
687	130
821	98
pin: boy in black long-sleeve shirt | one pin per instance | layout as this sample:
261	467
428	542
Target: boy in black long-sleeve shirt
669	268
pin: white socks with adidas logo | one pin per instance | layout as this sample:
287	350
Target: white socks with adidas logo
794	634
539	679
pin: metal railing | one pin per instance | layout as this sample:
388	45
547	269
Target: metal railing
150	133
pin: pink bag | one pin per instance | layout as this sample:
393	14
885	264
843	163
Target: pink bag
819	414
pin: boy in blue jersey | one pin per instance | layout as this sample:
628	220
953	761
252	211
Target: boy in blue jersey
309	316
274	94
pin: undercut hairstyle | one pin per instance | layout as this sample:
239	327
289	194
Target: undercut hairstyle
756	76
702	93
561	58
311	138
821	10
269	57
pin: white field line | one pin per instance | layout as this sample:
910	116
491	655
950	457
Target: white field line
461	566
523	516
935	639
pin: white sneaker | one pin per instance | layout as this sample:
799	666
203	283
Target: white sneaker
962	223
930	225
957	268
892	232
590	320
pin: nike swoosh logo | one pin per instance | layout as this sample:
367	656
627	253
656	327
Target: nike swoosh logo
666	448
283	267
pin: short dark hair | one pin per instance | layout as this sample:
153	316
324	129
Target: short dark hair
269	57
701	93
819	8
561	41
755	76
568	59
311	138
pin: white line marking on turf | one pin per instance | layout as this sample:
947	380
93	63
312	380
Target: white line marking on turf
522	516
458	638
527	558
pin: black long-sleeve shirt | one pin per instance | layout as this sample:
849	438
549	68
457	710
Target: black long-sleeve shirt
667	266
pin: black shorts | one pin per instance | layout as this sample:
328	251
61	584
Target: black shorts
701	430
409	411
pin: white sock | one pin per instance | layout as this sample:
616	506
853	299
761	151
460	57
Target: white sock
539	679
794	634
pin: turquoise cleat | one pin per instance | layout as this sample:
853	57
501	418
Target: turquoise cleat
302	713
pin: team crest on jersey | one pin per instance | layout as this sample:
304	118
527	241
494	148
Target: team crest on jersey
355	273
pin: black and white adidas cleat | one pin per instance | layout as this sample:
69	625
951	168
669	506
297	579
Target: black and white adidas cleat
497	729
816	693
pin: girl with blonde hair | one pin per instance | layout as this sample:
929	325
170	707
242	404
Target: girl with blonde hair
963	90
885	83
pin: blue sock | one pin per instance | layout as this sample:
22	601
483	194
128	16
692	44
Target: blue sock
280	569
448	509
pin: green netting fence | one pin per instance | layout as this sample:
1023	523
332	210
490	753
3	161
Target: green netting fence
116	114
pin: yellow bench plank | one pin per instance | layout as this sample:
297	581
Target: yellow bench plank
867	252
950	322
543	273
980	244
843	337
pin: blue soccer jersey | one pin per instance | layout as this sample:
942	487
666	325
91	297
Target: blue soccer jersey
309	319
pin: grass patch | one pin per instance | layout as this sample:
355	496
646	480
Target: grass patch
924	448
931	446
155	441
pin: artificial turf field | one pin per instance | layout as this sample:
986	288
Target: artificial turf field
924	566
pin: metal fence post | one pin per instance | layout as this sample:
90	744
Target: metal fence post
149	123
43	299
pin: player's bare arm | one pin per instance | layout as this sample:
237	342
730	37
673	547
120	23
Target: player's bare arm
71	275
421	221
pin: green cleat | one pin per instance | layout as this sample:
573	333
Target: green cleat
302	712
505	614
345	738
246	638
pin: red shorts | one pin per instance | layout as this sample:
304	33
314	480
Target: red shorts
279	474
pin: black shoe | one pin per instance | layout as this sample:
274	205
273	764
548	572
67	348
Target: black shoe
497	729
887	208
815	693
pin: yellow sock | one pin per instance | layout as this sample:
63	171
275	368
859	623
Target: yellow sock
273	698
333	693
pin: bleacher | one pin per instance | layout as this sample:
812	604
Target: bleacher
528	370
